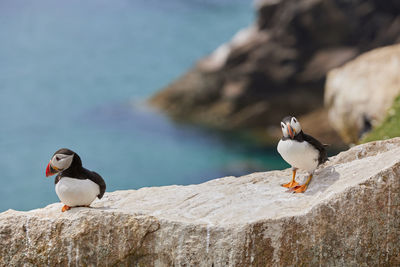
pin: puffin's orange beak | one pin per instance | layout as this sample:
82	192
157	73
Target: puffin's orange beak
290	130
50	170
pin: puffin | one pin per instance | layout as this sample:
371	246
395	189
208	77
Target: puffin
301	151
75	186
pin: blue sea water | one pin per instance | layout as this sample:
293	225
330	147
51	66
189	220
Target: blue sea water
76	74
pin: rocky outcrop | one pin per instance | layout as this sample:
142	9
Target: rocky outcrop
359	94
277	66
349	216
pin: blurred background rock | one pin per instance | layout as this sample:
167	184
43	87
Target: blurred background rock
278	66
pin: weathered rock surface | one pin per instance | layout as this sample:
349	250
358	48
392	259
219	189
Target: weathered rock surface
359	94
277	66
349	216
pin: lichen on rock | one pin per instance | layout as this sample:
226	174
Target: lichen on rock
389	127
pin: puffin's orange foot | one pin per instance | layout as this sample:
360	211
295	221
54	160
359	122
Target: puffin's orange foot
299	189
291	184
65	208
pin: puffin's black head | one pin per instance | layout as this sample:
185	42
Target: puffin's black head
290	127
62	159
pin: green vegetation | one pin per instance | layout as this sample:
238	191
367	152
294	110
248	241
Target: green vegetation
389	128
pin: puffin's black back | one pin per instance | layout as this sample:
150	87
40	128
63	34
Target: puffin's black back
77	171
323	155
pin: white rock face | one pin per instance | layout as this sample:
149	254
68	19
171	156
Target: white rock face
349	216
363	89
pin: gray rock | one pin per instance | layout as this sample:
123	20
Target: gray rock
278	65
360	93
349	216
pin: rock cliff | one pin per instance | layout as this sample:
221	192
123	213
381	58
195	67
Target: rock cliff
349	216
277	66
359	94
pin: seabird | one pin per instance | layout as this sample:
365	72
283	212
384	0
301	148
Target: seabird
75	185
301	151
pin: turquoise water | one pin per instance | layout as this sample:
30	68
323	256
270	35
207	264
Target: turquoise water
76	74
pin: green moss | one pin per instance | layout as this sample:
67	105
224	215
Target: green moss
389	128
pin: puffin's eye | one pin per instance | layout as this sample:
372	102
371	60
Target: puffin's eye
294	120
57	158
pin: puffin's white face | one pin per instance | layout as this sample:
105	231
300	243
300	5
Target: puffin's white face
61	161
290	127
285	130
295	125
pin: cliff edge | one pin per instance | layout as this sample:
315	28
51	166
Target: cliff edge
349	216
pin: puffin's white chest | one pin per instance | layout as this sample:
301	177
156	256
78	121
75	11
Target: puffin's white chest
300	155
76	192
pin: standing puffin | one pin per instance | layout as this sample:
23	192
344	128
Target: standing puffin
75	185
301	151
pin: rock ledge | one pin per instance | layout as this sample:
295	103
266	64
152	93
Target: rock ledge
349	216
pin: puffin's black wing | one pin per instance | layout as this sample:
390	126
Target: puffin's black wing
95	177
323	156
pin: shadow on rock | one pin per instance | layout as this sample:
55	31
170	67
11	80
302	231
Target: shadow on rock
322	179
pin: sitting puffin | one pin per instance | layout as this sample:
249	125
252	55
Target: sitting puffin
301	151
75	185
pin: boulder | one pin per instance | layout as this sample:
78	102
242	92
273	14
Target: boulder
349	216
359	94
278	65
